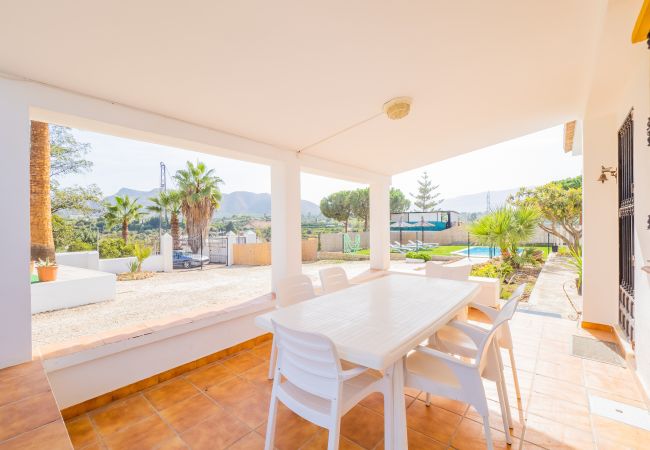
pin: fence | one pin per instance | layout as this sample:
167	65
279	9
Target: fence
259	254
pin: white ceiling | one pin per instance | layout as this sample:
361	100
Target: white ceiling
290	73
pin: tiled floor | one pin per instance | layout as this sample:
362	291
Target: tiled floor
224	405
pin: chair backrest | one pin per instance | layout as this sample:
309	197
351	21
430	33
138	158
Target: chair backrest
307	360
458	273
506	313
294	289
333	279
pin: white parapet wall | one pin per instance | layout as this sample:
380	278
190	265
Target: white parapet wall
74	286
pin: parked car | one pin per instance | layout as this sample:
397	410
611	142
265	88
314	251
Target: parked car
186	260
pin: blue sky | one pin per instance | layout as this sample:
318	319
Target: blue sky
527	161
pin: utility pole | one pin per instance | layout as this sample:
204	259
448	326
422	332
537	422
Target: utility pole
487	201
163	188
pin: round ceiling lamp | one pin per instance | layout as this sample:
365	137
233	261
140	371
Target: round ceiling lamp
398	108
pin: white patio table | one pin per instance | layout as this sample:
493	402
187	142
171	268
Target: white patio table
376	324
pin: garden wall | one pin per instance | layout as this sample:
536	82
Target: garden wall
259	254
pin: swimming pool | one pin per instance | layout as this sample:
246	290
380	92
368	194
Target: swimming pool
480	252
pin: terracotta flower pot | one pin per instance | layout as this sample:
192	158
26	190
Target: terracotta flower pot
47	273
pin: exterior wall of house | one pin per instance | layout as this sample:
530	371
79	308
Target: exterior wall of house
622	82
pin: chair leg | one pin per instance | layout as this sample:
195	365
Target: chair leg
502	378
334	435
427	401
514	372
488	433
505	408
272	360
270	426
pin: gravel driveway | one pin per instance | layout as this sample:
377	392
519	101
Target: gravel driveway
166	294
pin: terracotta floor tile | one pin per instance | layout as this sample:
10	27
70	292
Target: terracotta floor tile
121	414
611	432
217	432
210	375
28	414
375	402
189	412
363	426
242	362
639	403
432	421
555	435
169	393
560	389
262	351
174	443
445	403
319	442
252	441
145	434
560	411
292	431
52	436
572	374
618	386
470	435
252	409
611	370
81	431
496	422
258	376
18	384
231	391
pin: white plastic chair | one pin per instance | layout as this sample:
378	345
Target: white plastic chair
333	279
289	291
458	273
310	381
439	373
453	340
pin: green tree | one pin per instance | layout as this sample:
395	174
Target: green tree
426	198
171	202
506	228
80	199
337	206
560	206
200	198
398	201
67	154
360	204
124	211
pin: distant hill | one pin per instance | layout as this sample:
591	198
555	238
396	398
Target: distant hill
477	202
238	202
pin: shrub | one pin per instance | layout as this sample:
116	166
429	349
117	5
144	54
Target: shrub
80	246
563	251
419	255
488	270
115	248
141	253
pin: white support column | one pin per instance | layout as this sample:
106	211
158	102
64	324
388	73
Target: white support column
286	250
15	296
380	224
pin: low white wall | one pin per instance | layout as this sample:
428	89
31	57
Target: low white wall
85	260
86	374
74	286
154	263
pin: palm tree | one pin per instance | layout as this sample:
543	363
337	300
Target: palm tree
124	211
200	197
506	228
40	203
169	201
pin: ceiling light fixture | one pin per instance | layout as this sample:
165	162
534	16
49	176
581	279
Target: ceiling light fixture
395	109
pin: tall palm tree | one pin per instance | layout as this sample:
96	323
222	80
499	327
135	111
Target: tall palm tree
200	198
124	211
169	201
506	228
40	203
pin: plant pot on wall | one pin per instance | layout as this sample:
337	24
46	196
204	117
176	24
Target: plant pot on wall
47	273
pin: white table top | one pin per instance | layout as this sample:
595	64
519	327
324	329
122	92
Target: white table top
375	323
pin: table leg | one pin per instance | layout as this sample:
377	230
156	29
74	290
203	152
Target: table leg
395	408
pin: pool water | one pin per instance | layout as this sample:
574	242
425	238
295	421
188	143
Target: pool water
482	252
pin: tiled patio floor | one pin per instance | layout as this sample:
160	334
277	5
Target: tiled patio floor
224	405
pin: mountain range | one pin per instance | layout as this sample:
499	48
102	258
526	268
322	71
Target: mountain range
238	202
253	204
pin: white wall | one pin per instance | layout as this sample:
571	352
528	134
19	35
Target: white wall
85	260
621	82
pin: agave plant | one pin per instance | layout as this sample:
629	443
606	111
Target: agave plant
576	262
141	252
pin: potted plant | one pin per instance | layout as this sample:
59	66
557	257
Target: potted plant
32	265
47	270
